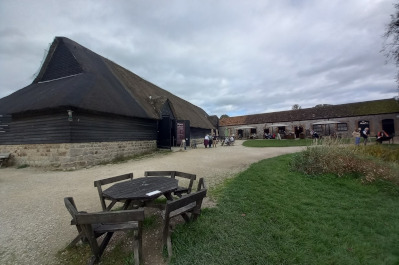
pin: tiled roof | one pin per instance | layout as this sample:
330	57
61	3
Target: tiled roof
326	112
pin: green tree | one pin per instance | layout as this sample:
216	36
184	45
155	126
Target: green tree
224	116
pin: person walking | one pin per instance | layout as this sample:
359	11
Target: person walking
356	134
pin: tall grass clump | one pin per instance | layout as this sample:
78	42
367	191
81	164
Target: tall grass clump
388	153
370	163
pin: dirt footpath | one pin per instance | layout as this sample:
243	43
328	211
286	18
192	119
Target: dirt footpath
34	223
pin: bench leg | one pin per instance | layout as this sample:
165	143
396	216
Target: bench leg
81	236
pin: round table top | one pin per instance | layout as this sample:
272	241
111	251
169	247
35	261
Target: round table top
147	188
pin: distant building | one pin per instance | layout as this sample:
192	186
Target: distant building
83	109
338	120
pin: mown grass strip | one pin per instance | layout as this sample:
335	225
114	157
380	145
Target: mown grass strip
270	215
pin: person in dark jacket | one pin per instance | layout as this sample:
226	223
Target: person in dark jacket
365	134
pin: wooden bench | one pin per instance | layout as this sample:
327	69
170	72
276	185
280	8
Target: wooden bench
94	225
101	182
4	157
190	203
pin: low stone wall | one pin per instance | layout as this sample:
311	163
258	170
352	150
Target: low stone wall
70	156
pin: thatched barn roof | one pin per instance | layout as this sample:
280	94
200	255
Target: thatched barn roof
73	76
375	107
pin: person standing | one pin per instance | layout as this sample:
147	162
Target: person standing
315	136
356	134
365	134
215	141
206	141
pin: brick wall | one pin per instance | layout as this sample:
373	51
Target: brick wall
75	155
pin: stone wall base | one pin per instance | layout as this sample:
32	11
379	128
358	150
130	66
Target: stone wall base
71	156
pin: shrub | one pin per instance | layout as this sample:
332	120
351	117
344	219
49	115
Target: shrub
388	153
371	163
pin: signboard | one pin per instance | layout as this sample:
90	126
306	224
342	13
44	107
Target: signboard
180	133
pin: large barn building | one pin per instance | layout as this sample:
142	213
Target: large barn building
83	109
340	120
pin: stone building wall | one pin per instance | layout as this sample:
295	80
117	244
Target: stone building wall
375	122
70	156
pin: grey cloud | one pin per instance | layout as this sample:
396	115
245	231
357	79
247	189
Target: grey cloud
228	57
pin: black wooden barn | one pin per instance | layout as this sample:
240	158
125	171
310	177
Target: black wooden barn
79	96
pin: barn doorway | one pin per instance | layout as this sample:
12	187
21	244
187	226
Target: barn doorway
298	130
363	125
240	133
388	126
164	140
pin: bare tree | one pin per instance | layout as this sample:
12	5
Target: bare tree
296	106
391	43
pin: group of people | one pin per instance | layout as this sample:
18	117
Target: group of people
359	133
228	141
272	136
213	140
210	140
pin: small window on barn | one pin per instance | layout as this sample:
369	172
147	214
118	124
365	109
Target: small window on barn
342	127
317	128
253	130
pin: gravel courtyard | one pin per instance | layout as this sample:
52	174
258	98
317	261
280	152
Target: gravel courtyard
35	223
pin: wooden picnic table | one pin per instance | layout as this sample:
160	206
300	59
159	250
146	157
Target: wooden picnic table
141	189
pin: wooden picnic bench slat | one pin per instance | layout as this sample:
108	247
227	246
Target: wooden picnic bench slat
4	157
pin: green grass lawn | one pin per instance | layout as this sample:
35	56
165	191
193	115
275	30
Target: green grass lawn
277	143
286	142
271	215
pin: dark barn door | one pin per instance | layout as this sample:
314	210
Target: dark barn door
363	124
388	126
164	133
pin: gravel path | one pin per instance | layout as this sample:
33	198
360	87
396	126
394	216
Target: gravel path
34	223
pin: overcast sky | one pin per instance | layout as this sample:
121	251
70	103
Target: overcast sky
227	57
